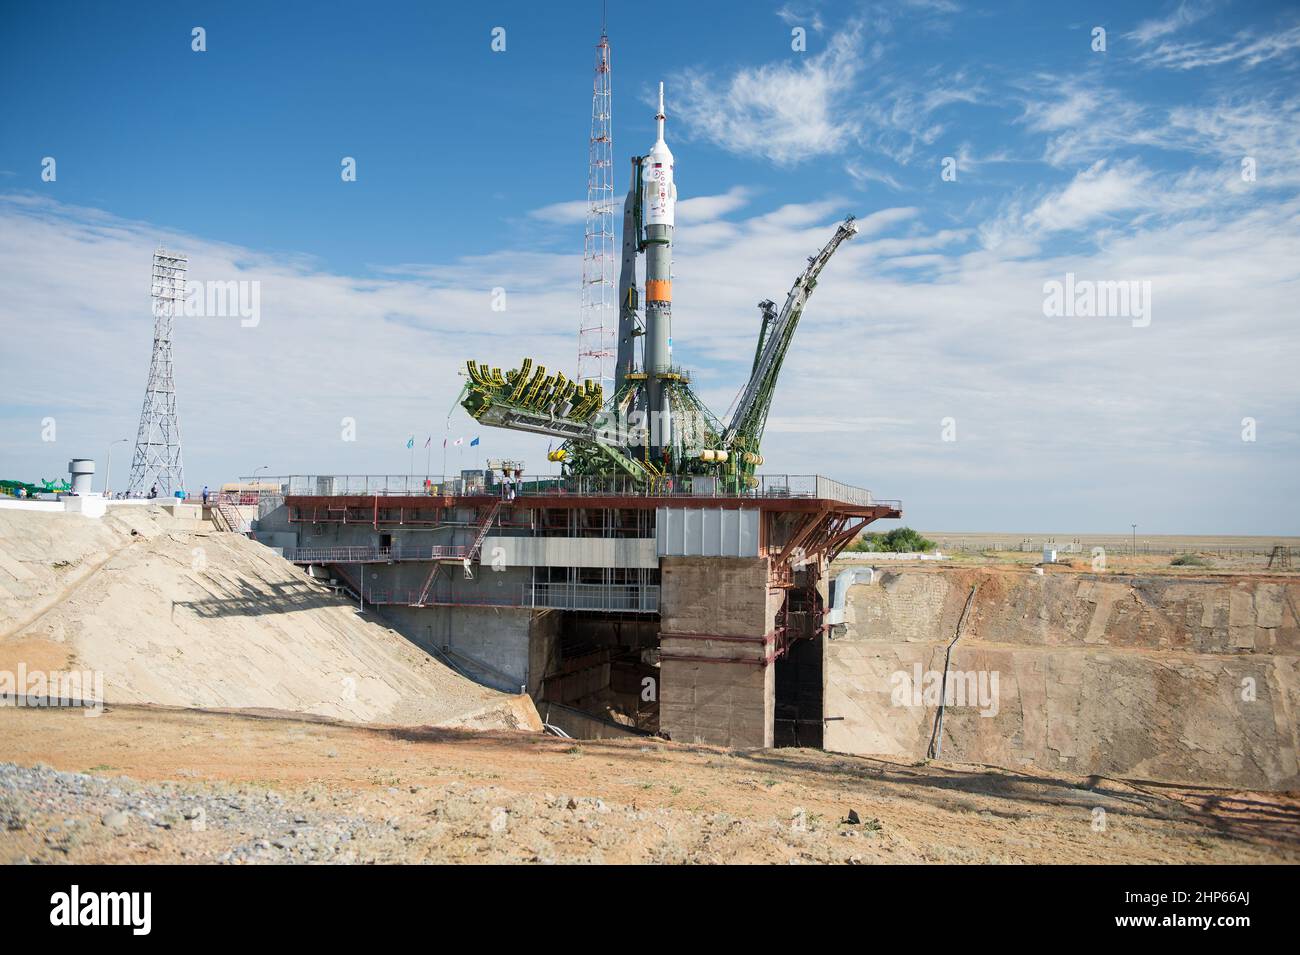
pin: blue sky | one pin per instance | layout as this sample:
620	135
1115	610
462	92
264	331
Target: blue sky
1122	165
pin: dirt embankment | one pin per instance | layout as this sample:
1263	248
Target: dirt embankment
180	617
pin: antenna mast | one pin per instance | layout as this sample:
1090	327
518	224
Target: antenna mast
596	319
158	444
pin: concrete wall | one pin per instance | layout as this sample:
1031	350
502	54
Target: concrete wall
570	551
495	636
1159	677
543	647
717	684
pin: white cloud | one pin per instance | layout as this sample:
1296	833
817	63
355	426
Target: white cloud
1247	49
702	209
1100	190
569	212
786	111
863	176
801	16
909	324
1185	14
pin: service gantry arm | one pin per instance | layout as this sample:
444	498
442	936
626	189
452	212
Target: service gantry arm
746	428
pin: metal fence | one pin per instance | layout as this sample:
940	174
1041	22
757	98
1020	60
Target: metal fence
596	597
630	598
1083	547
769	486
500	597
372	555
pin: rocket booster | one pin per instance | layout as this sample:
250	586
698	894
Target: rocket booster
659	207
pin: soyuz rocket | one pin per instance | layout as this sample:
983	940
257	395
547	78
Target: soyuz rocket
659	206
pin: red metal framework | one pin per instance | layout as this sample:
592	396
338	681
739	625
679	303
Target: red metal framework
431	511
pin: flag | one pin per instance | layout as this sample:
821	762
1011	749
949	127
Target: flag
458	442
429	442
473	443
410	442
444	442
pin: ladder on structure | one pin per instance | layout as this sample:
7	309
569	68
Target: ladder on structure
471	554
483	529
231	517
428	584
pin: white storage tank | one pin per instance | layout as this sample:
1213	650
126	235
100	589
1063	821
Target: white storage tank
83	473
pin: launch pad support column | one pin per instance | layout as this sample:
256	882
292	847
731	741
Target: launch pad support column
717	681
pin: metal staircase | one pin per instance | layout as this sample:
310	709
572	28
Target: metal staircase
483	528
229	516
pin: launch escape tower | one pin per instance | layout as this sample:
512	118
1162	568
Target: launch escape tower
157	457
652	428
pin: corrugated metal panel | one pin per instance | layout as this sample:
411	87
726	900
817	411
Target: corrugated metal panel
570	551
706	532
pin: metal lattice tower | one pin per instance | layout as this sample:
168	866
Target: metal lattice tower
596	323
158	443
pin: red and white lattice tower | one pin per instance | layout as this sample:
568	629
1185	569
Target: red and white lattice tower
596	323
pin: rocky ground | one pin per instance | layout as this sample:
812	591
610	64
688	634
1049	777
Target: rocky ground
147	785
53	817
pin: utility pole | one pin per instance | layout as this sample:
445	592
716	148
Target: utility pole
108	467
1135	540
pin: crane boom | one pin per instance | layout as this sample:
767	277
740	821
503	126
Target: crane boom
747	424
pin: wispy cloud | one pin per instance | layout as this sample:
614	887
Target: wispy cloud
1185	14
805	15
1247	49
863	175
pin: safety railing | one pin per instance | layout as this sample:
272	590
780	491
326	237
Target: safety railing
615	597
495	597
371	555
767	486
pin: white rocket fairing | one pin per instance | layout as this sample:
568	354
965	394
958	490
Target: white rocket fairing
660	197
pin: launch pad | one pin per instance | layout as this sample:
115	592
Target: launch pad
620	610
660	583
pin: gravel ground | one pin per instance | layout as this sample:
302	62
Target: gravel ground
142	785
50	817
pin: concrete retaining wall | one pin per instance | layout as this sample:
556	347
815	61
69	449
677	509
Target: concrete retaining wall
1168	678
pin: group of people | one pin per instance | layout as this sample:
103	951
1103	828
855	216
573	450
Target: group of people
152	494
